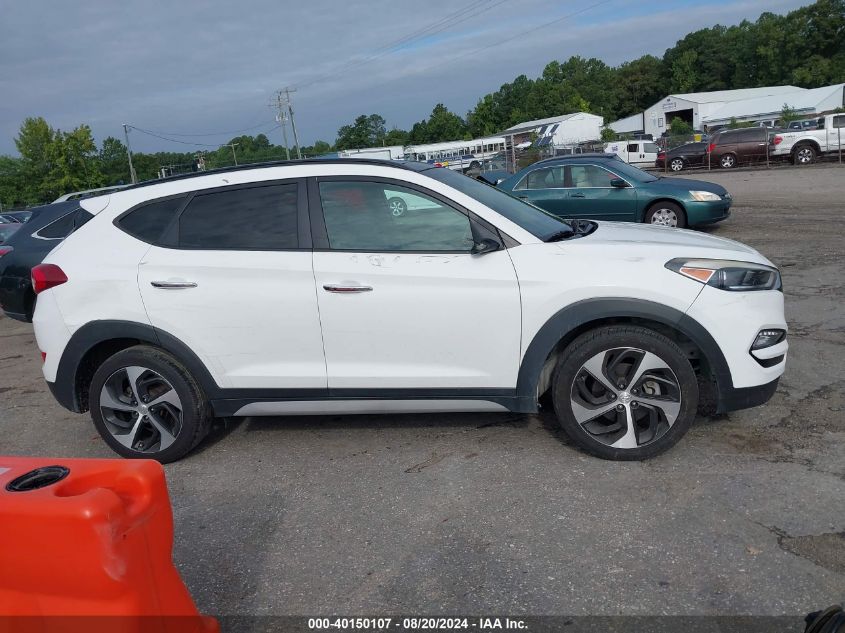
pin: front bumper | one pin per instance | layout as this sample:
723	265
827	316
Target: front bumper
733	399
707	212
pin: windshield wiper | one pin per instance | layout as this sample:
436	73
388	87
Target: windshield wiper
560	235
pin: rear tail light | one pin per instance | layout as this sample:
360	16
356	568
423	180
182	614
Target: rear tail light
661	155
711	147
43	357
46	276
5	250
777	140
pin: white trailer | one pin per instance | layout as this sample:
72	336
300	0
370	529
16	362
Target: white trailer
459	155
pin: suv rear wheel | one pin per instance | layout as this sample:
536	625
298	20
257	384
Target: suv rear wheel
728	161
145	404
624	392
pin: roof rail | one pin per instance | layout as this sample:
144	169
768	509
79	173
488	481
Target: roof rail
401	164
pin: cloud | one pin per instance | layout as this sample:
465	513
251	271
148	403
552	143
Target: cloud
213	66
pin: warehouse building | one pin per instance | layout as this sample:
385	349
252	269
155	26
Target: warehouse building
708	109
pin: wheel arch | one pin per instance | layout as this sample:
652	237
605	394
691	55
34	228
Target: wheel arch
569	323
806	141
96	341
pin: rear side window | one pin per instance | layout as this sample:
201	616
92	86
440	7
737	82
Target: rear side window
255	218
148	222
65	225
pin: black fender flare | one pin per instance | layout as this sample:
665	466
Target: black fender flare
580	313
93	333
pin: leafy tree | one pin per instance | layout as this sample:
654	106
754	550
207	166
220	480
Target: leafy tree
366	131
787	114
679	127
396	137
34	142
114	163
640	84
607	134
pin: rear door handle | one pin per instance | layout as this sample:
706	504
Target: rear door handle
523	197
346	288
173	285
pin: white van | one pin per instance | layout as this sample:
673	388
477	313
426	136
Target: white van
638	153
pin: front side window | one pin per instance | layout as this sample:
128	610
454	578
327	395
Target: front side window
590	176
633	147
255	218
362	216
839	121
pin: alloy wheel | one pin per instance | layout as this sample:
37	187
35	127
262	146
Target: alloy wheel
676	165
141	409
625	397
664	217
397	207
728	161
804	155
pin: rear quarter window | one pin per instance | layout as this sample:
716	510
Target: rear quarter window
149	221
62	227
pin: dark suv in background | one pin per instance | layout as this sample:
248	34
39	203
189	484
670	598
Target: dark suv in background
729	148
46	228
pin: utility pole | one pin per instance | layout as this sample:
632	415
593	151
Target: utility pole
132	175
232	145
292	122
282	105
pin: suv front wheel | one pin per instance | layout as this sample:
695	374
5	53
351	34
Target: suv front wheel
145	404
624	392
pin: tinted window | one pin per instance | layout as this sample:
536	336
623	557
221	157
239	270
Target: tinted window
149	221
257	218
839	121
7	231
651	147
751	134
359	216
64	226
633	147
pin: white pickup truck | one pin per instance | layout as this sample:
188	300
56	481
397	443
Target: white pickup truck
804	146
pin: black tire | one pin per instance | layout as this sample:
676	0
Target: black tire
658	434
677	164
660	211
398	207
189	429
727	161
804	154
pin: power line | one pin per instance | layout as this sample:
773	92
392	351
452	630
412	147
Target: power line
247	129
192	143
513	37
475	8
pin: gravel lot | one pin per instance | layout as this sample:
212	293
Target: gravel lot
497	513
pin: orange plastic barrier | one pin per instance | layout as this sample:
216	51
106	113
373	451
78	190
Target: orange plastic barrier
89	537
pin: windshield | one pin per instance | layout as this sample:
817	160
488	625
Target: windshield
534	220
630	172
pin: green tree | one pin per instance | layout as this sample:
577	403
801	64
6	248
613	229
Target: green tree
34	143
114	163
443	125
639	84
607	134
679	127
787	114
365	131
74	163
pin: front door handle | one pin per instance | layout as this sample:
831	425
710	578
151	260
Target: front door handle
346	288
523	197
173	285
579	195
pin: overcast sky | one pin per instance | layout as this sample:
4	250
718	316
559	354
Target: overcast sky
179	68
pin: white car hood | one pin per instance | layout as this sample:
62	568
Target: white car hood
638	240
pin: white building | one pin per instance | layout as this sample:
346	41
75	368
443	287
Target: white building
566	129
718	107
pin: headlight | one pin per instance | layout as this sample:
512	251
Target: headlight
705	196
728	275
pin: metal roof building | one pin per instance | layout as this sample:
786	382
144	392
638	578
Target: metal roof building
565	129
701	109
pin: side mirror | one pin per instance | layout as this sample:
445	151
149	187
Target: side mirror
618	182
487	245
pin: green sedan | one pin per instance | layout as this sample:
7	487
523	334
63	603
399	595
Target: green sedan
603	187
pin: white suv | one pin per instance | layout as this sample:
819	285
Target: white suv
294	289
